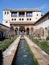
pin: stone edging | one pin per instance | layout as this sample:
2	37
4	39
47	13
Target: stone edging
39	54
9	53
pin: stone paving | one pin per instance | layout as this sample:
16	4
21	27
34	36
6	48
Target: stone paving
41	56
9	53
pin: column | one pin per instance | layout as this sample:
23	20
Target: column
32	14
25	14
18	31
17	14
25	30
29	31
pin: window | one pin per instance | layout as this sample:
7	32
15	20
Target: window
12	19
6	21
15	19
20	19
30	18
21	14
37	14
5	12
45	28
29	14
14	14
27	19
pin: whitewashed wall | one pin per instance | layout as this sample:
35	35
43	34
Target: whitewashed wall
35	17
7	17
43	24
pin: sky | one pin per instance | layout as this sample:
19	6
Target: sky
43	5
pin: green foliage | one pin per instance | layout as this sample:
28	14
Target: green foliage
35	60
33	57
43	44
5	44
47	38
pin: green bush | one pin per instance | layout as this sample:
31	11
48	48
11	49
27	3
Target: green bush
5	44
47	38
33	57
43	44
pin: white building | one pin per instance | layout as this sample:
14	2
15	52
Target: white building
27	21
43	22
20	15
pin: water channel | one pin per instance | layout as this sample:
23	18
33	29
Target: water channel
23	55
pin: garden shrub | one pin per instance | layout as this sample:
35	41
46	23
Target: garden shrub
43	44
47	38
5	44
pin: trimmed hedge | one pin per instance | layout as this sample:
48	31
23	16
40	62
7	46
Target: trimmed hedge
5	44
43	44
47	38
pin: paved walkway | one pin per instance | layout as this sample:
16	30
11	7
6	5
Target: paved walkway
41	56
9	53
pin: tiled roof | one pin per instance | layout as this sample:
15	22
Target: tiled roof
4	25
24	9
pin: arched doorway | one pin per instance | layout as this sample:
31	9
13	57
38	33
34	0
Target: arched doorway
27	31
41	32
16	31
22	30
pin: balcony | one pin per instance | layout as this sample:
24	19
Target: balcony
21	14
28	14
13	14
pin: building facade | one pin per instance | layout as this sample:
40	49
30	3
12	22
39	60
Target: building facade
43	26
22	20
4	31
27	21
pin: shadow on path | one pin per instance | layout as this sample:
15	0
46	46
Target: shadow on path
1	58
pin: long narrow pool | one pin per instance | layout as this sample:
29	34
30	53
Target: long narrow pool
23	55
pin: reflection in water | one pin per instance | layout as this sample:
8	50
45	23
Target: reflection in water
23	56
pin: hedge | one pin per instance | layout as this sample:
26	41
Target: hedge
5	44
43	44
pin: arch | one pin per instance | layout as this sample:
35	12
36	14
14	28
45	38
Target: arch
41	32
22	30
27	31
32	29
